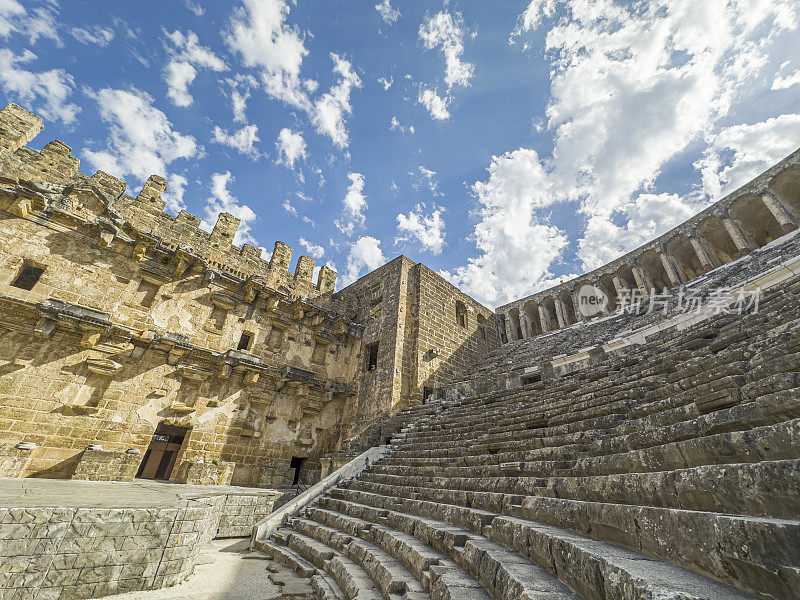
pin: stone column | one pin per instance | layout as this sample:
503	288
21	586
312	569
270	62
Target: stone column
544	318
737	235
562	322
775	206
525	325
669	267
507	321
642	280
618	287
700	250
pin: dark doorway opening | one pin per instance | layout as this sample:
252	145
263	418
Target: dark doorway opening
162	453
296	464
426	394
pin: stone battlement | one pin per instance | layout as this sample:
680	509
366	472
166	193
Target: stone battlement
59	169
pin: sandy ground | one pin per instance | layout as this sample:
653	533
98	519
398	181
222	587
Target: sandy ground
221	572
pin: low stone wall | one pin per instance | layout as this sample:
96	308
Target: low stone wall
88	552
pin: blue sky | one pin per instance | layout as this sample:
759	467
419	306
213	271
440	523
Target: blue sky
506	144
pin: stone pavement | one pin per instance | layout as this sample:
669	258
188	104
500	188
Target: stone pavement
221	571
140	493
87	539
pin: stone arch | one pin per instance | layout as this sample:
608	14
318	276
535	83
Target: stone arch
531	310
626	277
650	262
606	283
787	185
686	261
718	240
550	315
501	325
568	307
481	326
461	314
755	219
516	325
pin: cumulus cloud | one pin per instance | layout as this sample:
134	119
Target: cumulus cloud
426	228
517	244
186	57
45	91
632	87
314	250
445	31
240	93
436	105
738	152
141	140
394	125
173	196
221	200
787	81
258	32
291	147
365	255
388	13
36	23
194	7
332	107
100	36
355	203
243	140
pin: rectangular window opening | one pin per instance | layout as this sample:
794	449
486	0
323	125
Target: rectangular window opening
244	341
27	277
372	356
296	464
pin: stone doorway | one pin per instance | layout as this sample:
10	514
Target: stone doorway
162	453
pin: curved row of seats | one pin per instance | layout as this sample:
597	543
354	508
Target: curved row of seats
669	470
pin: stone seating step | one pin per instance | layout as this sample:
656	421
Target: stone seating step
769	543
349	577
592	568
417	557
386	572
502	573
766	488
322	583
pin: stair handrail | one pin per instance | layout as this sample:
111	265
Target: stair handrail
267	526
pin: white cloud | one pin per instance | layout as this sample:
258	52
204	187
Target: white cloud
221	200
355	203
388	13
330	109
287	206
141	140
516	244
783	83
446	31
39	23
386	82
242	141
45	92
291	147
394	125
198	10
314	250
101	36
428	178
365	255
738	152
173	196
436	105
185	58
258	32
632	87
427	229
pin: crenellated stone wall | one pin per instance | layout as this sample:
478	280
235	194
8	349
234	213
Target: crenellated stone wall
119	322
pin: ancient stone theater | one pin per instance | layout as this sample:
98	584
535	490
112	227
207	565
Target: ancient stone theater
631	433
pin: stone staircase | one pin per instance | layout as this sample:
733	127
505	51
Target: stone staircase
669	470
